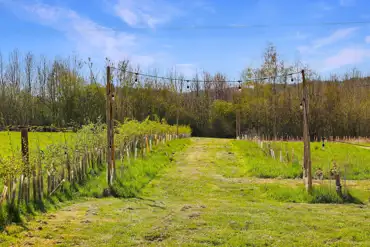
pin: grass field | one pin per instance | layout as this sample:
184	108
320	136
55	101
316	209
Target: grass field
353	161
11	141
203	199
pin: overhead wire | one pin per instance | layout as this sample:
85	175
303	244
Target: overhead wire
196	80
237	26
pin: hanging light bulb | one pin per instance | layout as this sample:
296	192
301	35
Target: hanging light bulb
136	76
112	96
188	84
301	106
240	87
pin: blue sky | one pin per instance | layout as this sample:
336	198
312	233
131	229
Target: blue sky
151	33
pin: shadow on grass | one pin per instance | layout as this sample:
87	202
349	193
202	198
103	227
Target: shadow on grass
319	194
325	194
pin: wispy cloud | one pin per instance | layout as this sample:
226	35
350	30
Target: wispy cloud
328	40
346	56
90	38
145	13
334	37
187	70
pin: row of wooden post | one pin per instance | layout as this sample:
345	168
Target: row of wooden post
76	169
32	180
307	168
297	138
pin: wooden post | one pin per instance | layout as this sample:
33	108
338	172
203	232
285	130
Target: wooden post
40	178
49	183
128	155
110	130
26	190
68	164
136	141
177	120
307	174
3	195
20	190
13	191
26	159
24	140
147	144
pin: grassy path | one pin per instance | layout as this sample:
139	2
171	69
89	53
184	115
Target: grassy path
192	204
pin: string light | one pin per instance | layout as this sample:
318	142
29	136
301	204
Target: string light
256	79
227	81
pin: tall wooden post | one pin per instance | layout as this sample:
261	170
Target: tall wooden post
110	130
24	139
307	174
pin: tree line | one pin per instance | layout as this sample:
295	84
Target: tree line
65	92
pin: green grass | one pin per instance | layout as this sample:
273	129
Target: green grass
353	161
11	141
128	184
198	201
252	161
361	143
133	176
298	194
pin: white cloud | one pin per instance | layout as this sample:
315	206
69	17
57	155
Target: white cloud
187	70
334	37
90	38
146	13
347	3
325	41
367	39
346	56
